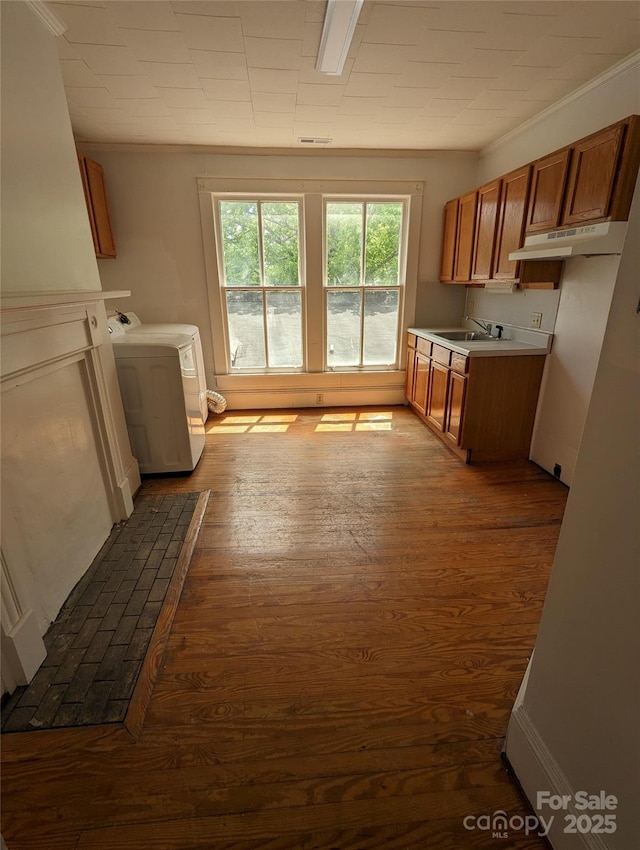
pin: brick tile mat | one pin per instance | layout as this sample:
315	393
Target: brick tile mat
96	646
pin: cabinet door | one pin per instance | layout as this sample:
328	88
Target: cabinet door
485	238
411	366
455	407
547	189
95	195
594	162
438	389
465	231
87	199
511	220
449	241
421	382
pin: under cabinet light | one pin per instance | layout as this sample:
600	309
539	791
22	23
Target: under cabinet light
339	24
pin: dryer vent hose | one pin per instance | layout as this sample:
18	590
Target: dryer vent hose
215	402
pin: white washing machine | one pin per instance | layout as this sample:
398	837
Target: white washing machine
163	387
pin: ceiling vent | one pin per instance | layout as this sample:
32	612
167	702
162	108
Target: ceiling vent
314	140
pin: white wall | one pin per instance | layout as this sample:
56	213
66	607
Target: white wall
576	723
586	285
154	207
67	469
46	237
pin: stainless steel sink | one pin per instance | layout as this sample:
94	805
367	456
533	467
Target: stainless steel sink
467	336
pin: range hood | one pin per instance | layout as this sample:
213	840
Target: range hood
604	238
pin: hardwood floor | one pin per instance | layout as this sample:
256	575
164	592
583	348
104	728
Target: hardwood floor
349	642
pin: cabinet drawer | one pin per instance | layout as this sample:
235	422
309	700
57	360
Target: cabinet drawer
459	363
411	340
441	354
424	346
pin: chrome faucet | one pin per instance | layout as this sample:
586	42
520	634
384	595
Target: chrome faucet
487	327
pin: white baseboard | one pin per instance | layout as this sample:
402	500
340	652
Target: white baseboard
128	487
537	770
331	397
23	651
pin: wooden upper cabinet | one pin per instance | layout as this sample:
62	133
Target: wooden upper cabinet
485	237
511	220
449	241
594	165
95	195
465	231
548	180
592	180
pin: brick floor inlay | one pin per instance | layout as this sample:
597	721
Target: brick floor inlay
96	646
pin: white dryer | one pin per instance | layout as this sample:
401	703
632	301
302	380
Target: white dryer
161	374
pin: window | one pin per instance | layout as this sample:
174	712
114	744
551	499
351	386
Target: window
362	282
262	283
309	277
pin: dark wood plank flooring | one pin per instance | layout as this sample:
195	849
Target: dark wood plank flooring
349	642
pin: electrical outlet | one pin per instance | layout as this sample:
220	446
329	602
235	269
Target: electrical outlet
319	398
472	307
536	320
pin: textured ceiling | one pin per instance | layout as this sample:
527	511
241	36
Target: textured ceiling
420	75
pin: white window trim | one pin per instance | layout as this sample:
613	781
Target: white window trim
300	389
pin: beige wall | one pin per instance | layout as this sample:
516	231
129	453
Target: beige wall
46	239
156	217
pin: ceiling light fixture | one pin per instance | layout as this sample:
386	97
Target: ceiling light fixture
339	24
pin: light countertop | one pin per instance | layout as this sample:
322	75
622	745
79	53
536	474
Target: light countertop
519	341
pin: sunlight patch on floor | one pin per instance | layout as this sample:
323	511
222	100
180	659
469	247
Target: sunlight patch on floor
279	423
273	423
378	420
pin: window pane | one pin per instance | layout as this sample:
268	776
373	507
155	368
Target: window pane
246	330
343	328
239	222
382	247
380	326
284	328
344	244
280	243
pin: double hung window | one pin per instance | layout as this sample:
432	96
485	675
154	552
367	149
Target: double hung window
313	278
263	295
362	283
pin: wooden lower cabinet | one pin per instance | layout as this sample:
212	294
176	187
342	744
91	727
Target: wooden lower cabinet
421	383
438	393
411	367
483	408
453	424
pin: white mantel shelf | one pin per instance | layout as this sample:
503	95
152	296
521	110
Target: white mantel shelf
42	298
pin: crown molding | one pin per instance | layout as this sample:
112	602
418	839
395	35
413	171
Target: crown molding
51	21
218	150
629	63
